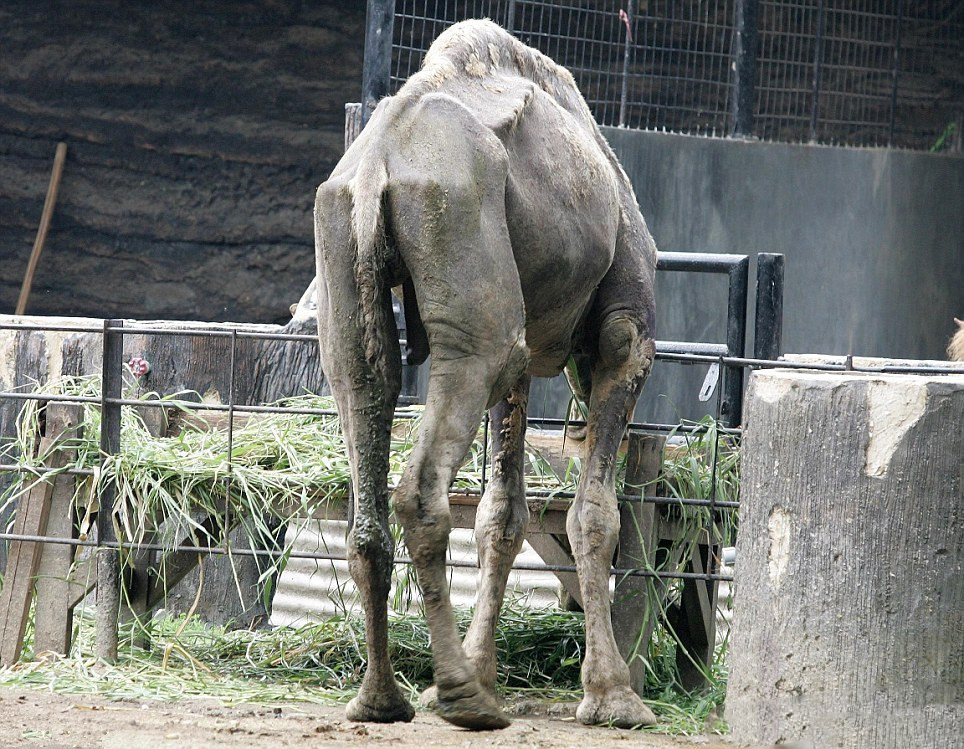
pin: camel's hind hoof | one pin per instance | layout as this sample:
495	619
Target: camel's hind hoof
621	708
390	709
472	708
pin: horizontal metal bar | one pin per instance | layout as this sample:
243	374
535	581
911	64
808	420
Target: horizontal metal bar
664	348
698	262
527	566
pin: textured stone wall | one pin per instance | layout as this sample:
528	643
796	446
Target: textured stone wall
196	132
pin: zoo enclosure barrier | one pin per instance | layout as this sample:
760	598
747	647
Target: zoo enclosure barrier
860	74
111	401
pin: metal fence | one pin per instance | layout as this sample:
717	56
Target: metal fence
111	401
862	73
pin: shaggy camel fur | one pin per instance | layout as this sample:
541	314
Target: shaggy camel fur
955	348
485	189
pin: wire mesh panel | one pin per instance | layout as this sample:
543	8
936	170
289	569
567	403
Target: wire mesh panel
665	65
870	72
680	73
929	111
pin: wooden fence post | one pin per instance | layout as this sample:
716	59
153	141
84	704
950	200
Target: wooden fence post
24	558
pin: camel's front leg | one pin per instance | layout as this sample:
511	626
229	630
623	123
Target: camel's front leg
499	527
593	522
458	391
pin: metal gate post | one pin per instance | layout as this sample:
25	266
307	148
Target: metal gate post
746	28
732	406
627	49
108	558
377	66
768	320
817	70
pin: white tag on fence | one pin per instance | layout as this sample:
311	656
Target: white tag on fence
709	382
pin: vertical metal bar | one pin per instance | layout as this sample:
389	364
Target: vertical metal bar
745	40
227	478
624	93
768	320
896	73
377	65
108	560
510	18
817	69
732	408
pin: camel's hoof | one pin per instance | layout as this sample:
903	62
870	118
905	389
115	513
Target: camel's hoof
471	707
391	708
620	707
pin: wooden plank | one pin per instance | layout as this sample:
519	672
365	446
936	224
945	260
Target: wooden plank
24	557
22	564
53	616
554	552
696	631
633	612
176	567
81	581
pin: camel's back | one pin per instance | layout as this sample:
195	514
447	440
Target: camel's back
563	188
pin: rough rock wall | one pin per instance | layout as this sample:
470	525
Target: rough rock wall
196	132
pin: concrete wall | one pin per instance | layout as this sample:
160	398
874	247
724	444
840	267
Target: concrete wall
873	238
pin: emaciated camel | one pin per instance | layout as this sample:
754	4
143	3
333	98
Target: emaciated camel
485	189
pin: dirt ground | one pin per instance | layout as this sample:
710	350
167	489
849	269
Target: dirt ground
40	720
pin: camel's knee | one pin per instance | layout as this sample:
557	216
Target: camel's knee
593	527
500	525
623	344
427	525
371	552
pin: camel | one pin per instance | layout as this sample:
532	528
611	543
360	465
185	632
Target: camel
955	347
485	190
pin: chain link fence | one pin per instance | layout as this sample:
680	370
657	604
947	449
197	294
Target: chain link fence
863	73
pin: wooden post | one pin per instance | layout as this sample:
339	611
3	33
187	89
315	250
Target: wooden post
353	122
24	557
53	614
377	65
634	603
45	218
696	625
849	624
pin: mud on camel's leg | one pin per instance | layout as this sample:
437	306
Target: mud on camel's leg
500	527
624	360
362	365
371	551
449	424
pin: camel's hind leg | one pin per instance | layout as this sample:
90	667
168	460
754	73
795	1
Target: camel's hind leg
365	389
624	360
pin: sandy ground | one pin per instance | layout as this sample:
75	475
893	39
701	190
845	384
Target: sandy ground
40	720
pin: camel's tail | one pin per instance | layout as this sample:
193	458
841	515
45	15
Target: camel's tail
368	232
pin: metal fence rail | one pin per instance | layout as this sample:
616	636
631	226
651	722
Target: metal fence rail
863	73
